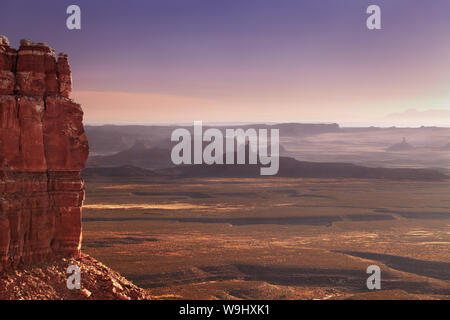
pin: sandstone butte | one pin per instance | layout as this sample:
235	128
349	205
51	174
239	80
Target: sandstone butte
43	148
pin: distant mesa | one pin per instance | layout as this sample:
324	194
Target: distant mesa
109	139
402	146
290	167
145	154
144	160
141	154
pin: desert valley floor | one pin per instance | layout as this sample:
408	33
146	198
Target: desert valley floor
271	238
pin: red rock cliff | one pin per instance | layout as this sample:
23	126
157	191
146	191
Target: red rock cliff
43	147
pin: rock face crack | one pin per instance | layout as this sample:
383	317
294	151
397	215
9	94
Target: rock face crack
43	147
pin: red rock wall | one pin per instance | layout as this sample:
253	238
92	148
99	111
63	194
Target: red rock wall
43	147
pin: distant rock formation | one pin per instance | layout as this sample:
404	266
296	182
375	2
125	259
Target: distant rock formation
402	146
43	147
290	167
141	154
110	139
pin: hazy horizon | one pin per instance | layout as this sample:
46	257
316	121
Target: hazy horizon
242	123
252	61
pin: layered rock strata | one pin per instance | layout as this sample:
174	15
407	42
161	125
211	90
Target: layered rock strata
43	147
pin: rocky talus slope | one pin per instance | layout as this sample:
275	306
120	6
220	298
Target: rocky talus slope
47	281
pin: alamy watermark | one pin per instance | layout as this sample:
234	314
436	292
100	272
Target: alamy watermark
74	279
374	280
373	22
239	144
73	22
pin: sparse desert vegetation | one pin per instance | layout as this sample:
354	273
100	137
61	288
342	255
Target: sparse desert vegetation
271	238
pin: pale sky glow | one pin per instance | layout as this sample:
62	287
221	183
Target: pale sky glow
178	61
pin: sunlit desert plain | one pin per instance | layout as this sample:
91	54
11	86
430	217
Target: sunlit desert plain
272	238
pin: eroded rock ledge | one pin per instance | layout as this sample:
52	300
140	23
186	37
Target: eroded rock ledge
43	147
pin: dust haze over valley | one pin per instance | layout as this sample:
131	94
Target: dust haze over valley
344	199
149	146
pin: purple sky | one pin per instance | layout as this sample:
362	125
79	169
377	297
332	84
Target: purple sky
176	61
